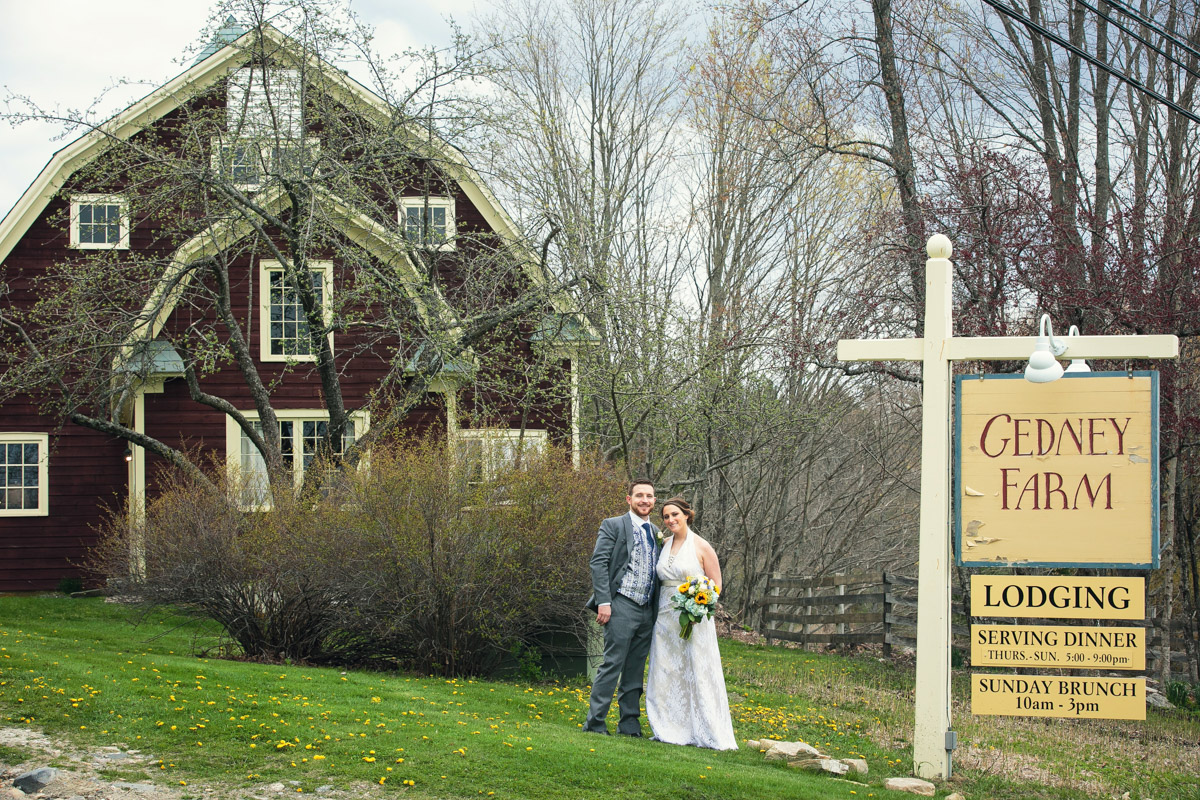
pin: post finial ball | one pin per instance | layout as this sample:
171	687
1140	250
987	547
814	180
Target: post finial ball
939	246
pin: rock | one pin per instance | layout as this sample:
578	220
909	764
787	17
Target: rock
89	593
780	751
910	785
856	765
829	765
15	794
276	787
955	796
323	789
115	756
36	780
1156	700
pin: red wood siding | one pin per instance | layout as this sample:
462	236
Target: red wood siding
87	470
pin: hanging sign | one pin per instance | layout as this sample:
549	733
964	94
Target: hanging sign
1058	597
1055	646
1060	474
1055	696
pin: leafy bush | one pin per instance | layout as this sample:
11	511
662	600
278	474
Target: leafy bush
1181	695
406	562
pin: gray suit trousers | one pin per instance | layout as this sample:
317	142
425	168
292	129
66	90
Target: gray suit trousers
626	646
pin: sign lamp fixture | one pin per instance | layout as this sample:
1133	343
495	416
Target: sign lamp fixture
1077	364
1043	365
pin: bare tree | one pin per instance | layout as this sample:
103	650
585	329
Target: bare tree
275	155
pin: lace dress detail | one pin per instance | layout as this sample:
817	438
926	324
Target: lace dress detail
685	690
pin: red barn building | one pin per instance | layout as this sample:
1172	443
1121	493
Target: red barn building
217	333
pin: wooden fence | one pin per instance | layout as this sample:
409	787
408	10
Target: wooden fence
843	610
881	608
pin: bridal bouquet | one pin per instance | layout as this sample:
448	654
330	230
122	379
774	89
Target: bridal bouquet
695	599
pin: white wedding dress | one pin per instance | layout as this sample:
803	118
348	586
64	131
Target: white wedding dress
685	690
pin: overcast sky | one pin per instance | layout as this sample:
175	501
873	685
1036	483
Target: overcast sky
64	53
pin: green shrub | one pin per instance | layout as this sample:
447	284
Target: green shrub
1181	694
405	562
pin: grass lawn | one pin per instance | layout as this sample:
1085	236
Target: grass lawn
76	668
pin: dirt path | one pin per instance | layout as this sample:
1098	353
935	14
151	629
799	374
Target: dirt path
118	773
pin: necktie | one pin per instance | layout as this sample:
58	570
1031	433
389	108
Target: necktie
649	529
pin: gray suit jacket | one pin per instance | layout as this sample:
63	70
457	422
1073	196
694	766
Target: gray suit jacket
610	559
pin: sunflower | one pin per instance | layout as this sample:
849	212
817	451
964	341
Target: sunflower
683	588
702	597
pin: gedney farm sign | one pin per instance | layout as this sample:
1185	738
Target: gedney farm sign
1057	474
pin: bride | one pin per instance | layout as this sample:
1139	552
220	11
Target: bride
685	691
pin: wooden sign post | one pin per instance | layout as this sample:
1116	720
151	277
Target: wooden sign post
937	350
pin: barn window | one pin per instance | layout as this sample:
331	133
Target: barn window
23	470
302	436
483	452
240	163
428	221
248	163
99	222
283	324
264	132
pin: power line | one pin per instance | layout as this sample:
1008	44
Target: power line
1133	13
1138	36
1061	42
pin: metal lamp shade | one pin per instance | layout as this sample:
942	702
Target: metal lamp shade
1043	367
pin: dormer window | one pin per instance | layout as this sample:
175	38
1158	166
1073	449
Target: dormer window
428	221
99	222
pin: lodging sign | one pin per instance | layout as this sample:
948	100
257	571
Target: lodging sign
1061	474
1058	597
1026	646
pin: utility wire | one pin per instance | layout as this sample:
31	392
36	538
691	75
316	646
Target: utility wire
1061	42
1133	13
1137	36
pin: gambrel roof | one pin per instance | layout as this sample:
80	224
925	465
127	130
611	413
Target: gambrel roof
206	73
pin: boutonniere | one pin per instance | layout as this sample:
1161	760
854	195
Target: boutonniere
659	536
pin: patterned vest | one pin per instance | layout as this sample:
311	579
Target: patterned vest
639	579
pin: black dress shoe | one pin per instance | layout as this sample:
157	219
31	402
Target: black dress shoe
598	733
637	735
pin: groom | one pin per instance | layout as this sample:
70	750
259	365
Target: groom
625	599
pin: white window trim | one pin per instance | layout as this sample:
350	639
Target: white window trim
433	202
43	442
266	148
216	159
233	442
78	200
265	267
535	440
